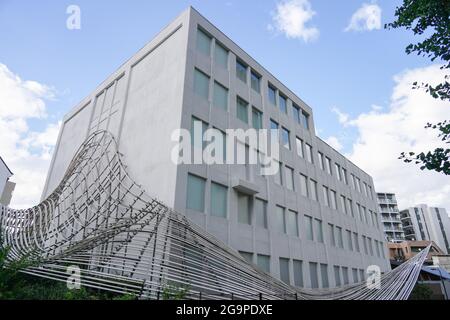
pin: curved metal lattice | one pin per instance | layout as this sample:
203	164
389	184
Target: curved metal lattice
99	219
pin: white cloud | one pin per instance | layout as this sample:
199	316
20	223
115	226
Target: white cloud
367	17
26	152
342	117
382	136
334	142
291	18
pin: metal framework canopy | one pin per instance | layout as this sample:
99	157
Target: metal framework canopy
124	241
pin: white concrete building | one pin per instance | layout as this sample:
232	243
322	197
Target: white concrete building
390	217
315	224
427	223
6	186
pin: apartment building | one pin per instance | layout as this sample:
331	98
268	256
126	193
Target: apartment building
313	224
427	223
390	217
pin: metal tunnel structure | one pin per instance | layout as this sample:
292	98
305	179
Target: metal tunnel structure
124	241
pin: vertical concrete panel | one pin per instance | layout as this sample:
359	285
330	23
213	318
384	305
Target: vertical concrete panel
153	112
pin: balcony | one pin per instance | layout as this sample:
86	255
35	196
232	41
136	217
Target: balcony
244	186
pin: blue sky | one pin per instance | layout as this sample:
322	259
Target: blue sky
351	70
348	70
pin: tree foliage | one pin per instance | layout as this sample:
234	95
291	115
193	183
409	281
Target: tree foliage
421	292
439	159
16	285
428	17
431	19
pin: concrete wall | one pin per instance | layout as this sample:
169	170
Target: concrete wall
5	174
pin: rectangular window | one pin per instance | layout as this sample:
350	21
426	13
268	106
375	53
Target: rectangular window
365	244
255	81
328	165
345	275
349	240
292	223
337	276
350	207
285	138
355	275
260	209
195	198
309	228
362	274
283	103
220	96
242	109
326	199
340	240
358	184
338	171
313	190
197	140
298	273
290	178
359	210
244	209
221	56
333	199
263	262
284	270
273	125
331	239
313	275
203	42
319	231
257	118
278	177
324	273
303	185
280	219
272	95
320	158
248	256
305	120
364	214
382	249
343	204
369	241
377	248
241	71
344	175
296	113
356	241
219	200
201	84
308	149
299	144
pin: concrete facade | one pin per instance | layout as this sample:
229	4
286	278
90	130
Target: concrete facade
427	223
390	217
153	94
6	186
